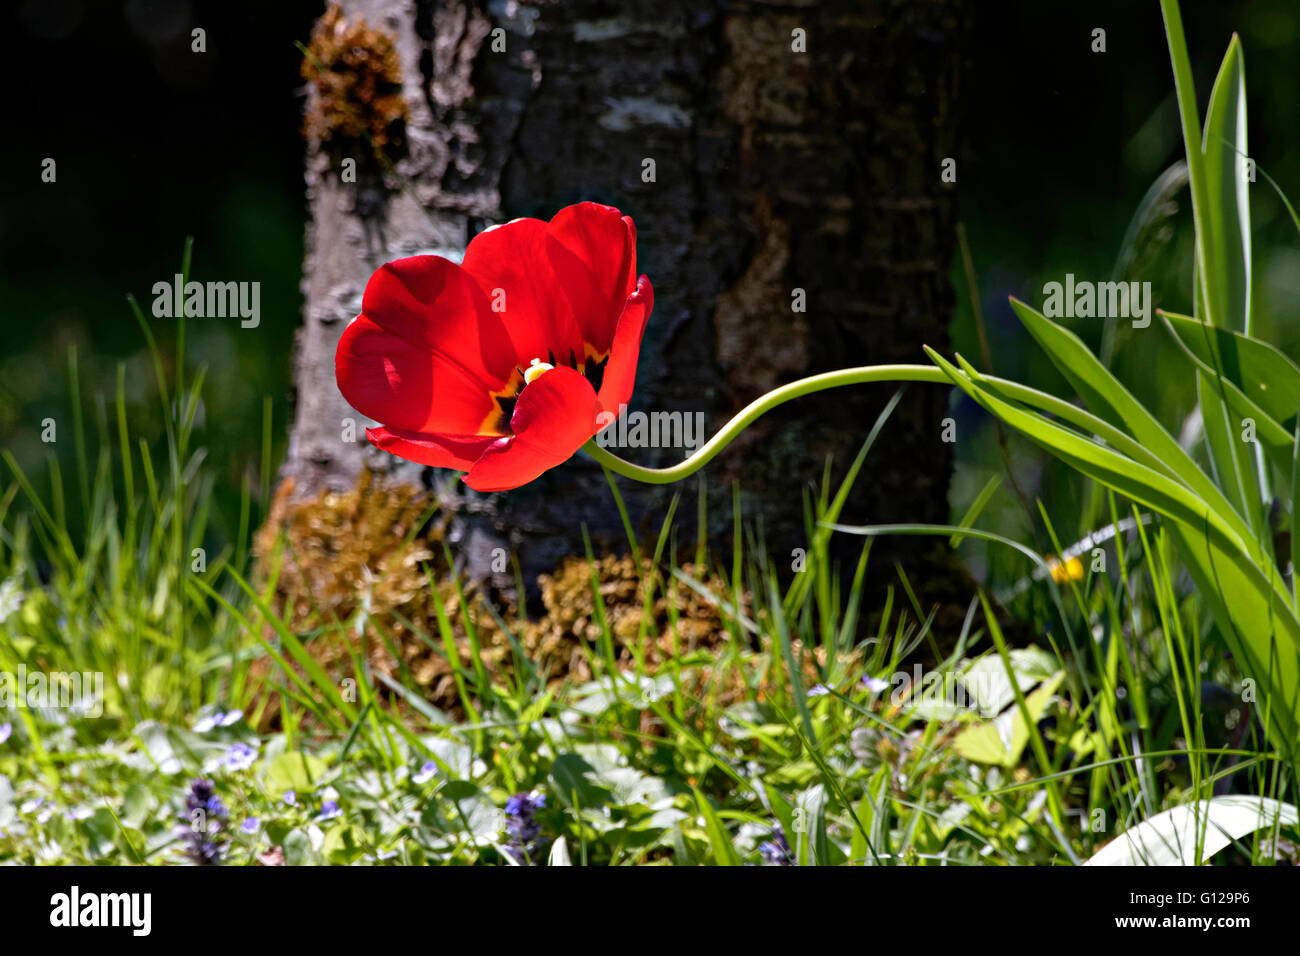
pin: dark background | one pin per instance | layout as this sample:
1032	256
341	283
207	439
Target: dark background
155	143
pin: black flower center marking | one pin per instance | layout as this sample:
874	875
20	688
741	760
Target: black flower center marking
593	369
506	404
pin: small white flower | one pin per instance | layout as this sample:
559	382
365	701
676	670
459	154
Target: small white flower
204	724
874	684
216	719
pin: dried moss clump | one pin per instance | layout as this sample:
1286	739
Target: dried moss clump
361	574
339	554
356	75
561	638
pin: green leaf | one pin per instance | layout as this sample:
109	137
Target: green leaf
574	776
1264	374
1208	291
1138	482
814	847
976	506
343	844
1258	624
986	679
724	852
294	771
859	848
1221	210
137	803
1295	512
1234	461
780	807
1226	227
298	850
1106	395
1190	834
1002	740
1275	440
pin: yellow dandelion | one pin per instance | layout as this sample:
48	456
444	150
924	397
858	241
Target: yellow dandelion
1063	571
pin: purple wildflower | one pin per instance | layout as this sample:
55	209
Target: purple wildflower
776	851
202	824
522	829
240	756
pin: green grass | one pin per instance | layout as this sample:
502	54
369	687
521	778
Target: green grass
1106	724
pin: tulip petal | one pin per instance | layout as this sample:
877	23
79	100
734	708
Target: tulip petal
592	249
426	353
440	451
509	263
432	303
554	417
385	377
620	372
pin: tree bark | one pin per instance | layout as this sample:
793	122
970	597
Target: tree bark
775	170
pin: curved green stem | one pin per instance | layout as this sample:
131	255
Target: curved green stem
760	406
1080	418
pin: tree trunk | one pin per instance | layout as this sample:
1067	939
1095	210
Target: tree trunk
797	150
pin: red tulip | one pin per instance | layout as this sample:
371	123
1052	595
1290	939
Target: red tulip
500	366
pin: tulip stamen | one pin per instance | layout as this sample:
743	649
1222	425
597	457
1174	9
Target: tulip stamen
535	368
